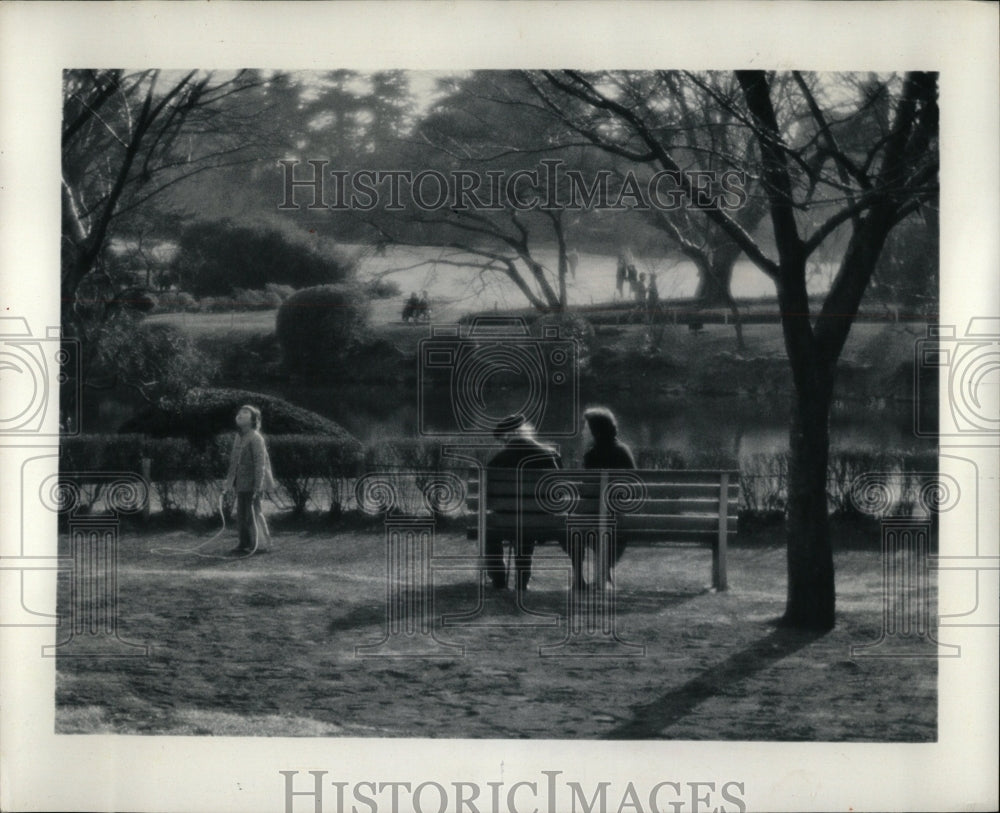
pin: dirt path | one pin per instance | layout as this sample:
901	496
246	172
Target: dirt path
266	646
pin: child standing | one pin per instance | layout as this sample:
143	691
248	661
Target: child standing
249	476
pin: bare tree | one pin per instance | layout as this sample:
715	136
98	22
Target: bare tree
128	140
129	137
833	154
485	125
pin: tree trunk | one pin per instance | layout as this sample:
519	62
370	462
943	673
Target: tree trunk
811	598
715	276
713	285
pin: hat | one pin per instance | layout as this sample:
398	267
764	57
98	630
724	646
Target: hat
509	424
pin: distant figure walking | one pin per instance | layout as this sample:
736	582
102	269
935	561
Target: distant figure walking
653	295
521	451
572	260
639	289
608	453
626	271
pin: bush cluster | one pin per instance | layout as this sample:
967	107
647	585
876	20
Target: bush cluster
252	357
318	472
207	411
173	301
382	289
319	328
157	360
188	475
216	257
239	300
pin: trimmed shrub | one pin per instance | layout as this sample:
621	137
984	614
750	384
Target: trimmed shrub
314	456
138	299
155	359
177	301
216	256
101	453
318	472
271	300
658	459
764	483
206	412
895	469
280	291
405	453
382	289
319	327
247	300
187	477
208	304
247	357
306	467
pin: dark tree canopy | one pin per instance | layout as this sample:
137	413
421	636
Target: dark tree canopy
216	257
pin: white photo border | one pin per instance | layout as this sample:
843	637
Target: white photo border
44	771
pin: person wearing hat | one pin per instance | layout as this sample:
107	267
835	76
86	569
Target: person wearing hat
521	451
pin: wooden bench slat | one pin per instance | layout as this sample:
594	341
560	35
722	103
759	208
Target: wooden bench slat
655	492
529	484
634	537
659	505
628	524
647	475
527	521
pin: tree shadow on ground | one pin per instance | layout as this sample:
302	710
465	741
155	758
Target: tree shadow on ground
649	720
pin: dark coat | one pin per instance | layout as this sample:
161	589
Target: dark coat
525	453
519	453
522	453
611	454
608	455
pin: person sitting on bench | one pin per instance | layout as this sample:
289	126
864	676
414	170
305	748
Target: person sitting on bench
607	452
411	308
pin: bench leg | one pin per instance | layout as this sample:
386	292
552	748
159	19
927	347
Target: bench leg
720	548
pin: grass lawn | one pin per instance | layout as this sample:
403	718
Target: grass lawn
213	325
266	646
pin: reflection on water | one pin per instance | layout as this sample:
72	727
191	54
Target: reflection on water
689	425
692	425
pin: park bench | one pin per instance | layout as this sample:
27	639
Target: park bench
646	506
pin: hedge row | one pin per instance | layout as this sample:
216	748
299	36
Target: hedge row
318	473
208	411
240	299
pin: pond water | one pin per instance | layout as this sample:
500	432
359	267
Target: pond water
689	424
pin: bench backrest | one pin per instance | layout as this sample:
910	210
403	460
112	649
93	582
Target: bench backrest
648	505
